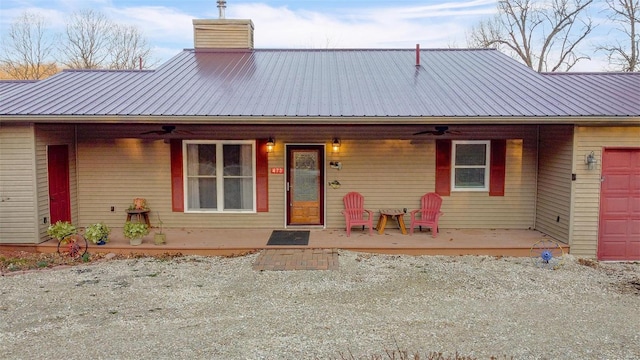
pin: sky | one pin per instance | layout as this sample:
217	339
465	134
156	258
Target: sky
167	24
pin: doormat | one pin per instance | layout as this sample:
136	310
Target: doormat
286	237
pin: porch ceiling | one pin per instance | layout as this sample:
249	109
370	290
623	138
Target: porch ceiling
306	133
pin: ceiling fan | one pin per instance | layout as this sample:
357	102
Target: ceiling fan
166	130
439	130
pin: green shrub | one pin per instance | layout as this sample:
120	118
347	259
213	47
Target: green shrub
97	232
135	230
61	229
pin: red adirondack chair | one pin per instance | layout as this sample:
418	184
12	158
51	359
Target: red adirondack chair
428	214
354	212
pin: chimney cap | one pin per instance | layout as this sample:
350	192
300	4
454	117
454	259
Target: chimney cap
222	4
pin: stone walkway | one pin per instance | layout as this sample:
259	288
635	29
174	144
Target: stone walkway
296	259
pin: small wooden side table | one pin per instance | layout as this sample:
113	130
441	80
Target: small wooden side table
140	215
393	213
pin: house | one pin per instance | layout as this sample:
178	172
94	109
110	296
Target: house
228	136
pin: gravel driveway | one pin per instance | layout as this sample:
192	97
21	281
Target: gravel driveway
219	308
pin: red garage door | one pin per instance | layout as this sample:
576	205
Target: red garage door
619	230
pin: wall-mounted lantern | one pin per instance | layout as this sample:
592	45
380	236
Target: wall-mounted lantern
335	145
590	160
271	143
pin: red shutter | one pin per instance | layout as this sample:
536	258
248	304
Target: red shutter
443	167
262	176
497	167
177	188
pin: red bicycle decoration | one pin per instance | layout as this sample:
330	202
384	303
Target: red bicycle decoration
74	245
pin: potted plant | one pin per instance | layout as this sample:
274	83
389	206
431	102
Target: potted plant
134	231
138	204
61	229
97	233
159	238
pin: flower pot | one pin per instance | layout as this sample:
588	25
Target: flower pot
101	242
135	241
159	239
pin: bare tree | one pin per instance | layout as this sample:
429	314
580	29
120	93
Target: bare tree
87	39
92	41
542	34
129	49
626	15
28	49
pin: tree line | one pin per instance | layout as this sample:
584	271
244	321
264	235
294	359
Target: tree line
90	41
543	34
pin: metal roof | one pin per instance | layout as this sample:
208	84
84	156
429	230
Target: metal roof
600	93
7	86
330	83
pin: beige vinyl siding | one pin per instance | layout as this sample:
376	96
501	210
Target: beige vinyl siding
389	173
396	173
54	135
114	172
223	34
514	210
18	200
586	191
275	218
553	205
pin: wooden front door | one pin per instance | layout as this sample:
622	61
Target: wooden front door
619	230
59	194
305	190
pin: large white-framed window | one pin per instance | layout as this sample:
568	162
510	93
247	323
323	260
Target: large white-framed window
219	176
470	165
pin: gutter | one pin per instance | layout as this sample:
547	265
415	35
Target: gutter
322	120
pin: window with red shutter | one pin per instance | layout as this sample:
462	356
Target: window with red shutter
233	175
470	165
469	170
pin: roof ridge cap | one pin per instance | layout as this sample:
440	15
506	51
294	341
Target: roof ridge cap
600	73
349	49
108	70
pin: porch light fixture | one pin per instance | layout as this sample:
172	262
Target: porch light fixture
335	145
270	144
590	160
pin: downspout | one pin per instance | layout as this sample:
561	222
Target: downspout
574	151
34	185
77	173
535	199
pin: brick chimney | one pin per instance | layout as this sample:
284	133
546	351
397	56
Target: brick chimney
223	34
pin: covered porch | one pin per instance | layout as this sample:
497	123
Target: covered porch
229	242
